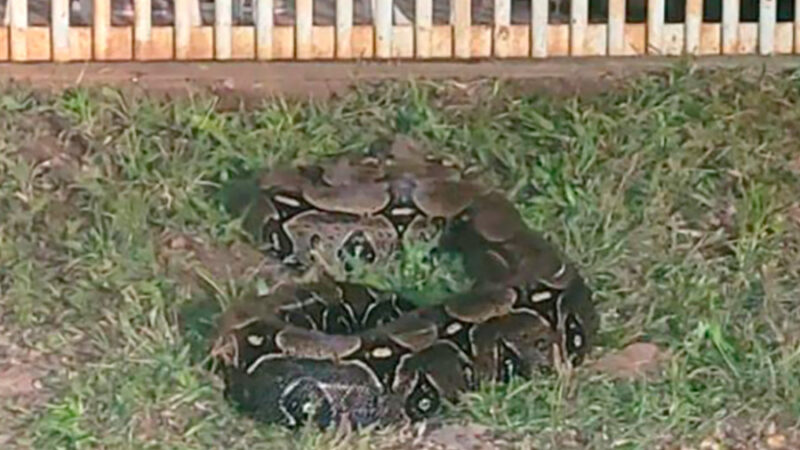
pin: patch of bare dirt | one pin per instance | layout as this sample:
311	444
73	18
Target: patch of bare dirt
51	145
184	256
746	434
446	436
640	359
22	371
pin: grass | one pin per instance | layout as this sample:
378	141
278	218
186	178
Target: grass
675	194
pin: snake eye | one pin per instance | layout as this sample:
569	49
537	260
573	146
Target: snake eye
304	401
424	400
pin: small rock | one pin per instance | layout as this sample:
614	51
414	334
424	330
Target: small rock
776	441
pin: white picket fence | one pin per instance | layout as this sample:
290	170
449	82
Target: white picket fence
402	29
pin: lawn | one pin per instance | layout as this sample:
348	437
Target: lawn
676	194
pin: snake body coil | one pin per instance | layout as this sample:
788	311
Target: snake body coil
328	350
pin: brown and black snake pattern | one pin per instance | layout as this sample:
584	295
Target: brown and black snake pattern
327	350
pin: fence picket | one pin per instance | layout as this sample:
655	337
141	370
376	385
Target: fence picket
766	26
223	33
616	27
344	29
383	28
730	26
655	27
59	12
18	29
264	23
579	18
540	30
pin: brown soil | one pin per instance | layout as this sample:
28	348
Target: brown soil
255	80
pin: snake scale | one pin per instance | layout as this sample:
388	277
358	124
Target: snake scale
323	350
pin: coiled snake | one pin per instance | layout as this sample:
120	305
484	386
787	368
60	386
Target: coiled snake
327	350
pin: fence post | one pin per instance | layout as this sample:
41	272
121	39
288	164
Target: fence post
59	29
142	28
579	18
264	28
766	26
616	27
304	21
18	33
383	29
540	13
693	23
223	12
423	25
730	26
344	29
655	27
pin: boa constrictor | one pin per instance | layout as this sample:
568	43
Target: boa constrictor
327	350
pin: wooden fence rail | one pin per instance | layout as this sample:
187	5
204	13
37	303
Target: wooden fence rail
405	29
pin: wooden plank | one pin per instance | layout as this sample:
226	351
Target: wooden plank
195	13
403	41
655	27
748	38
558	40
223	33
59	11
201	43
710	39
18	30
767	17
596	43
579	18
183	29
441	41
616	27
142	27
363	41
283	39
38	42
539	29
323	42
730	27
502	33
423	13
797	26
635	39
520	41
4	43
243	42
462	21
101	25
783	37
383	28
80	44
158	48
673	40
120	44
481	41
344	29
693	22
304	22
264	22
